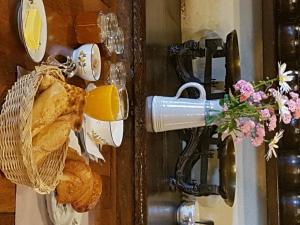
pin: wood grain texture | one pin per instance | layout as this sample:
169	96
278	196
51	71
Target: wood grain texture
7	195
139	39
118	171
270	56
7	218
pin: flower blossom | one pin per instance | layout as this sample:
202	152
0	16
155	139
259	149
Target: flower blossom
260	134
296	113
265	113
272	124
239	84
257	97
284	77
281	100
246	126
273	145
286	118
294	95
246	89
291	104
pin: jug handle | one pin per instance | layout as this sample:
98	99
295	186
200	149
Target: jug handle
194	85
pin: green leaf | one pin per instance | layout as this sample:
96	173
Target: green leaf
222	101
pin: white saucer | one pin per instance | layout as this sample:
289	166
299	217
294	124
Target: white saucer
36	55
61	214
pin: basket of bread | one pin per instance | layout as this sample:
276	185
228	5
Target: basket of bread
39	112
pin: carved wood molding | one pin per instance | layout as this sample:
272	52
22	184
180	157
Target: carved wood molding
139	31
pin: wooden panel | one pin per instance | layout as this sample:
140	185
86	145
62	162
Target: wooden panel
7	195
105	212
7	218
269	64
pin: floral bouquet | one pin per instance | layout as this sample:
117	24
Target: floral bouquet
254	108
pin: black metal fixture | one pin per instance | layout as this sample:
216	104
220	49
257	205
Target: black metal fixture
199	140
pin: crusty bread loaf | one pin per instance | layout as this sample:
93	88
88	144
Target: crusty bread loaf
53	136
73	155
48	106
76	102
46	82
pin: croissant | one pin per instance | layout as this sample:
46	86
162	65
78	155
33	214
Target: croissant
76	180
84	204
79	185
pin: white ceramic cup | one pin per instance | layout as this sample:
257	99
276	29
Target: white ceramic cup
88	60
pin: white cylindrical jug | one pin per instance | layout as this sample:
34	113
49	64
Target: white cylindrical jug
173	113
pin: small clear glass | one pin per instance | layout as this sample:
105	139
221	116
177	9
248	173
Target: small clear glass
95	27
117	76
115	42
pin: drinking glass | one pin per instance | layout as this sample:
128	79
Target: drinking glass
107	103
95	27
115	42
117	74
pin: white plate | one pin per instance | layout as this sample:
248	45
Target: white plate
36	55
60	214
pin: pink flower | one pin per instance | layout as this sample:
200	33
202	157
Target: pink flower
246	127
291	105
286	118
239	84
260	134
297	113
257	141
244	98
272	90
272	123
246	90
260	130
256	97
265	113
263	95
294	95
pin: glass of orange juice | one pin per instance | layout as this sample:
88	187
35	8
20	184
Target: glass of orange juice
107	103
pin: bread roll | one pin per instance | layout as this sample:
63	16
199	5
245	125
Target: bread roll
47	81
73	155
48	106
84	204
76	102
77	179
79	185
53	136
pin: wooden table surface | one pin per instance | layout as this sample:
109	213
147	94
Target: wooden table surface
116	205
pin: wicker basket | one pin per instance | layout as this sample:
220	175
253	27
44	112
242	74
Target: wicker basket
16	160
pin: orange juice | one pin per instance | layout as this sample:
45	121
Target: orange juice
102	103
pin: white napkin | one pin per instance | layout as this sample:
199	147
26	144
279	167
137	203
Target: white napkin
31	206
92	148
